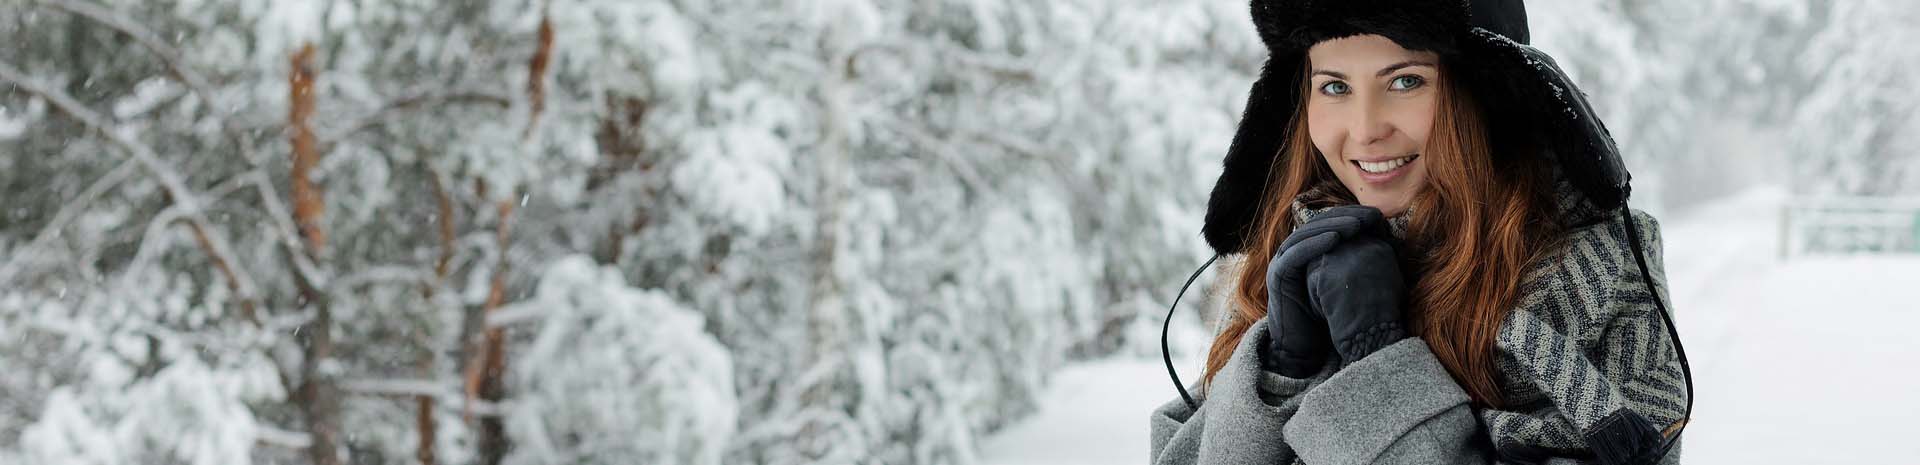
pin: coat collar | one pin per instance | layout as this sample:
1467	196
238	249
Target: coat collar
1320	198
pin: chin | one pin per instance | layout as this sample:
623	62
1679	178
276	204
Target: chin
1389	207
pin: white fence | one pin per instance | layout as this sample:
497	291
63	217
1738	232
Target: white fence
1850	226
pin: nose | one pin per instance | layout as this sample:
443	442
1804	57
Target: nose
1372	123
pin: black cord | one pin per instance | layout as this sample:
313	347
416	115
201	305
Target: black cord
1673	334
1168	355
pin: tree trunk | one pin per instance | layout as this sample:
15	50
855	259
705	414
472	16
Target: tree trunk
484	377
827	319
319	395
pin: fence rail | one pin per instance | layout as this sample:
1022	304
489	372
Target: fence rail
1837	225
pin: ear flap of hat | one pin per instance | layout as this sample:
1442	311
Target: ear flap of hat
1525	92
1263	131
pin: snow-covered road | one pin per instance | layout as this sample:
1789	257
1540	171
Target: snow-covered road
1807	360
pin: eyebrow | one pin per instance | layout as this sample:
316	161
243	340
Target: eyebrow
1383	71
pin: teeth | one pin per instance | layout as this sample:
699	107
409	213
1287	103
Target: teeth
1384	166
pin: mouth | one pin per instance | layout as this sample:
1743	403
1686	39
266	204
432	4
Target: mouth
1384	170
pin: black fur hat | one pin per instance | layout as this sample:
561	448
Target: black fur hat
1531	107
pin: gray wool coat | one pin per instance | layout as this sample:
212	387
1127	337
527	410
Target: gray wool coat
1583	349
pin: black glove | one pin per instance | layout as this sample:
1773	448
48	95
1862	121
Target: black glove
1357	287
1298	340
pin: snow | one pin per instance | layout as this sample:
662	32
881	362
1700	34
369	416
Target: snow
618	375
1096	413
66	433
146	95
1807	360
735	172
284	26
999	187
1758	330
14	122
198	412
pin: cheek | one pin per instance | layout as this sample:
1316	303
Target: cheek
1418	122
1326	136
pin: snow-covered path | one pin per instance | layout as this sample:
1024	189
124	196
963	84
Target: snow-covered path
1756	328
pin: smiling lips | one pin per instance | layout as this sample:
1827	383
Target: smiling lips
1384	166
1379	172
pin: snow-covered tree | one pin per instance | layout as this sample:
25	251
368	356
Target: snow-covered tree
686	231
616	374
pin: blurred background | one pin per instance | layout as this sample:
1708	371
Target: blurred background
826	231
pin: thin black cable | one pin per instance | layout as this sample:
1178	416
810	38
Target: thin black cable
1168	355
1673	334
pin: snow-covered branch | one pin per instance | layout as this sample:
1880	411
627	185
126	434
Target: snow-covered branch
176	66
400	387
1000	67
441	391
518	314
175	184
285	230
384	274
944	150
423	99
26	255
144	36
273	436
242	141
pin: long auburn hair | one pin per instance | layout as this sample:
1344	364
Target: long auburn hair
1476	225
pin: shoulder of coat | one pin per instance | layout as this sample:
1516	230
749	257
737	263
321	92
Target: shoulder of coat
1580	283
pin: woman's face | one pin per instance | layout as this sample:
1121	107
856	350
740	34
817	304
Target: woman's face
1370	105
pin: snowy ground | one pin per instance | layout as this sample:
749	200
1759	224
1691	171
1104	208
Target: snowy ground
1756	328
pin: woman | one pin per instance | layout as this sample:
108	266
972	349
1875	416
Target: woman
1438	266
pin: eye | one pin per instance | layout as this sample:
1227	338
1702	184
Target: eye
1335	88
1407	82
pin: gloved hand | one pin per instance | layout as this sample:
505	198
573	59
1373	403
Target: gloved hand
1357	287
1298	340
